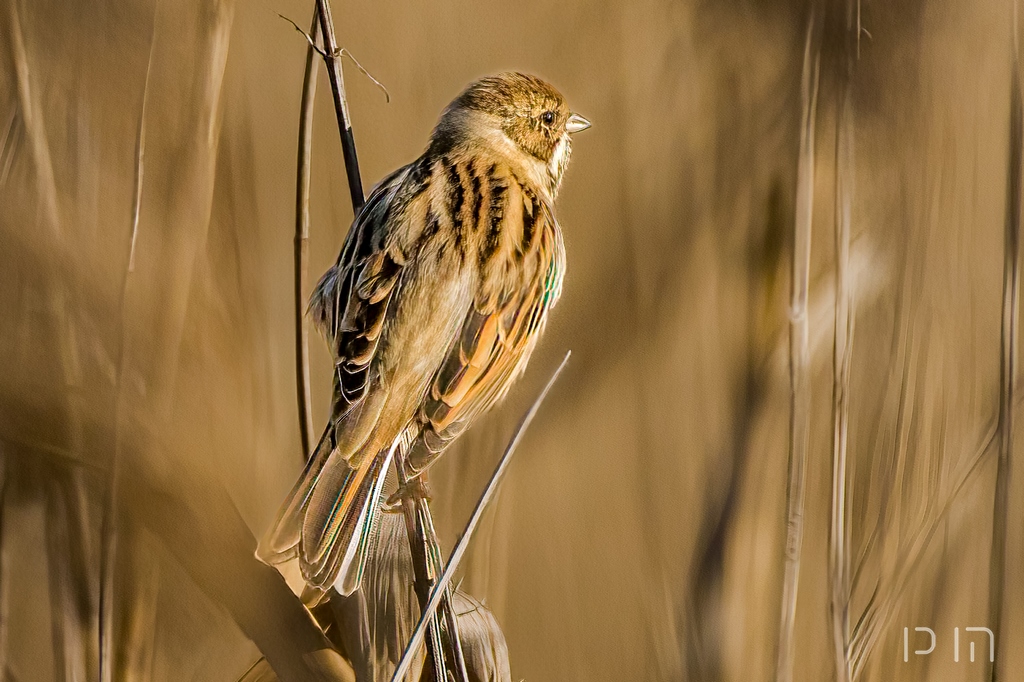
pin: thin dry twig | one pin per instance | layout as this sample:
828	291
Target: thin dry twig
313	39
460	549
344	52
799	357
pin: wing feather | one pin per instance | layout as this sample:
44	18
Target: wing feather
496	340
350	307
350	304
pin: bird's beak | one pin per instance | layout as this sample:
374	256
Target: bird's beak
576	123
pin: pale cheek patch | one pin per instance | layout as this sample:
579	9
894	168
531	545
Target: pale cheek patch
559	159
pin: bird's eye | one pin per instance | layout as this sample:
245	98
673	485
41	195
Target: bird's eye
548	117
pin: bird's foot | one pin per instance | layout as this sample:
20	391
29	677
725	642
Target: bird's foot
413	489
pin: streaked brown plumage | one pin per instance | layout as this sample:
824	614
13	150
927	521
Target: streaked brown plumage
432	310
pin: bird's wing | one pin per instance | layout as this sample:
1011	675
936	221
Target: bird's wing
350	303
494	344
349	306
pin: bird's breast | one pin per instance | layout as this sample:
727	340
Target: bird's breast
479	213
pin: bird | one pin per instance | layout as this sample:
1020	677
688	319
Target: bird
441	290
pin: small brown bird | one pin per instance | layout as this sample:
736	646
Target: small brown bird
432	310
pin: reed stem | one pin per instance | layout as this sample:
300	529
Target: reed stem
440	589
799	357
332	58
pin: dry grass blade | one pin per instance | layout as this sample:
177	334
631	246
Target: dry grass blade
31	111
71	598
884	602
839	555
305	155
31	117
260	671
799	357
151	333
67	638
460	549
140	153
109	531
1008	348
9	137
108	557
5	568
141	616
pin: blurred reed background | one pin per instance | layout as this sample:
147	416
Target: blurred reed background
148	425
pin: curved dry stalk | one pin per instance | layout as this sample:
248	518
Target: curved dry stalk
305	154
440	589
799	357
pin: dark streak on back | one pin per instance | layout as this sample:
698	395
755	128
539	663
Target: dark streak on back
495	213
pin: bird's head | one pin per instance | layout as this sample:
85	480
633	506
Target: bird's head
518	115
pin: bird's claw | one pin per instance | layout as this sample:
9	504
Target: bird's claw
414	489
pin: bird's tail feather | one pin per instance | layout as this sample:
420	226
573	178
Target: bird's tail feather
328	517
330	484
338	522
281	542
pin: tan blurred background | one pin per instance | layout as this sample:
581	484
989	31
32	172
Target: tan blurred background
148	425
